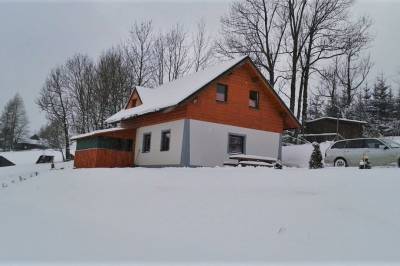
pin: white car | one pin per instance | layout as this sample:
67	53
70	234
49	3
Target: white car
351	151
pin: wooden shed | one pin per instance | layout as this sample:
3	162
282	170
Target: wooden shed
111	147
330	128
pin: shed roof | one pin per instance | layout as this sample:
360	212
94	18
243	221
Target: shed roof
97	132
335	119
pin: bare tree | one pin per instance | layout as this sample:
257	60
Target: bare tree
255	28
114	85
329	87
295	41
52	133
324	22
202	50
54	99
81	83
139	51
13	123
177	62
158	59
354	67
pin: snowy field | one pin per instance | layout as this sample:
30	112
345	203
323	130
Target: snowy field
241	215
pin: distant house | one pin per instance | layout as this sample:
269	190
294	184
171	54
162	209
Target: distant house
34	142
197	120
330	128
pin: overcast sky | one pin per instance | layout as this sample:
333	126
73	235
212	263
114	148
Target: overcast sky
36	36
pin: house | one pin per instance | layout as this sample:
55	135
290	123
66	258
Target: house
197	120
34	142
330	128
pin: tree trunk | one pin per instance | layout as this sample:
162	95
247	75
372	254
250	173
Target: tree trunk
67	148
305	96
294	75
299	100
348	102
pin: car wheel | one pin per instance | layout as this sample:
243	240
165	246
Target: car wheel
340	162
398	163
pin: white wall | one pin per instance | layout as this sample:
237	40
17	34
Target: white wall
156	157
209	142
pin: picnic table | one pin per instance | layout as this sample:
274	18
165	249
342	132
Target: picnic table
253	160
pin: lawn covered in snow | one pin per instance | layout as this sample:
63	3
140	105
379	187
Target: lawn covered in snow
242	215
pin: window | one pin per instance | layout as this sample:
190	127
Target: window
165	138
339	145
253	99
236	144
373	143
105	143
355	144
222	93
146	142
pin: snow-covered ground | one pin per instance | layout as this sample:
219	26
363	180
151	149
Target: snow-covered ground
241	215
299	155
25	166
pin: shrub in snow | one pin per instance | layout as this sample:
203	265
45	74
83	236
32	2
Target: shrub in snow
316	157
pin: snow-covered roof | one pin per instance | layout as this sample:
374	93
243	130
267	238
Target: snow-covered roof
31	141
172	93
97	132
335	118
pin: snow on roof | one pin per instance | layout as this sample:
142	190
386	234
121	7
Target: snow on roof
172	93
335	118
97	132
31	141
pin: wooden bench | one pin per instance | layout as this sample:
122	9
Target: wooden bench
253	160
256	164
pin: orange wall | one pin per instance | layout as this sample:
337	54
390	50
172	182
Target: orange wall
236	110
92	158
156	118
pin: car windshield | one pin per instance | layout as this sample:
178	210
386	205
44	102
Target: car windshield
391	143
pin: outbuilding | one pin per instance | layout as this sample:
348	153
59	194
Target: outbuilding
331	128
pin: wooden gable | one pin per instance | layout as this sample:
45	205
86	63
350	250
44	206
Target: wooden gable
134	100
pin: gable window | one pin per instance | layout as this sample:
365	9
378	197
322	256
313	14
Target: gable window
254	99
165	139
146	142
236	144
222	93
133	102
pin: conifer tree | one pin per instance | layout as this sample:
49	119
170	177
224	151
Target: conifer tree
316	157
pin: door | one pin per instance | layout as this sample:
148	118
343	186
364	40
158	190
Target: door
355	150
378	152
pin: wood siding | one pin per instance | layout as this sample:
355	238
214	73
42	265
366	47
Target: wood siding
98	157
172	114
347	129
236	111
93	158
270	116
134	100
